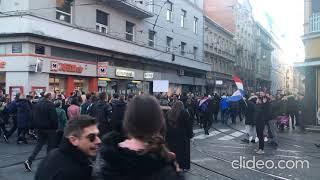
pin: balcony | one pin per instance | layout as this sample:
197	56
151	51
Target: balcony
130	7
314	23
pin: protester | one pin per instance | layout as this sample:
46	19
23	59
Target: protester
118	109
179	133
143	155
24	116
74	109
250	120
101	110
73	159
45	120
62	120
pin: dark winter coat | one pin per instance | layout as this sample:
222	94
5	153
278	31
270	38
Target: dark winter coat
178	139
118	110
216	103
275	109
101	110
44	115
116	163
62	118
65	163
292	105
262	114
24	113
250	113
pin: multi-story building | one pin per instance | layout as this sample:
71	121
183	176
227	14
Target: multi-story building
263	49
311	66
278	76
219	50
101	45
236	17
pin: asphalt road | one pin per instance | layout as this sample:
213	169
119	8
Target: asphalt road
212	156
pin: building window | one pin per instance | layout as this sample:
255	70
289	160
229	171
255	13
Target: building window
195	25
63	10
169	44
129	31
183	17
152	35
169	11
183	48
102	21
195	52
17	48
39	49
151	6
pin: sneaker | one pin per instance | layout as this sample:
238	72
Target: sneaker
5	138
253	141
27	165
260	151
317	145
206	133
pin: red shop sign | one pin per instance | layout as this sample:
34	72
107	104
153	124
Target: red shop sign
2	64
65	67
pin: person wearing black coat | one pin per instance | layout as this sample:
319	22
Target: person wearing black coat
45	120
262	116
143	154
101	110
24	116
179	133
118	109
215	106
73	159
292	109
250	121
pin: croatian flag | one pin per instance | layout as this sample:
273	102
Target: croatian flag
238	95
238	82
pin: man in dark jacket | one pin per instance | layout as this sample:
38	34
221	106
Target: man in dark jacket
12	111
250	119
101	110
292	108
45	120
216	103
118	109
73	159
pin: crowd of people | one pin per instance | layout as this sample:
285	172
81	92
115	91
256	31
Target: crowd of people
132	137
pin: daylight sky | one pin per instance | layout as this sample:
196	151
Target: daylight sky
285	17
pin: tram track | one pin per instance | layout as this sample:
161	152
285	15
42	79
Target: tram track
230	162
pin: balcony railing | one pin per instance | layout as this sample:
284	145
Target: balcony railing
131	7
315	22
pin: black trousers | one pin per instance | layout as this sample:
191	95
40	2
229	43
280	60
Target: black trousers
206	121
14	127
22	134
215	115
44	137
260	129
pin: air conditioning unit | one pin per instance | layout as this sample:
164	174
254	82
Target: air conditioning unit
101	28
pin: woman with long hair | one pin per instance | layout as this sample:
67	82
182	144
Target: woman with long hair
179	133
142	155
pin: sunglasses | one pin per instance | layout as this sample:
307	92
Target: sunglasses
92	137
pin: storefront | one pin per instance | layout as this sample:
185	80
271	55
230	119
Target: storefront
125	81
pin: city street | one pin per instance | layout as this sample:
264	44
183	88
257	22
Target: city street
211	156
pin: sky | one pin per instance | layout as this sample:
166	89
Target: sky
285	18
